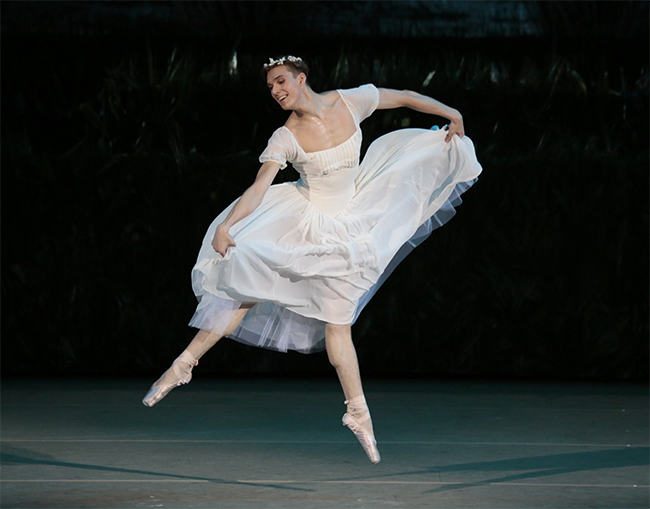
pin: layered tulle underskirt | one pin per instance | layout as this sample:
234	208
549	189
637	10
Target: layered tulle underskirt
303	268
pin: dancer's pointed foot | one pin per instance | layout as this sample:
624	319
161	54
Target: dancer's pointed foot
179	373
357	419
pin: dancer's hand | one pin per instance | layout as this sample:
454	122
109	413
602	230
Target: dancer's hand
455	127
222	240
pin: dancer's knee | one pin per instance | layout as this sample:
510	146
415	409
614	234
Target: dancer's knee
338	340
237	318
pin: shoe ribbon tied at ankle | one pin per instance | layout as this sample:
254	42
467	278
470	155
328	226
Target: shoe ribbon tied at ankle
358	409
184	376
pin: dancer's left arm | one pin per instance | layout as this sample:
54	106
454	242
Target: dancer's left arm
389	98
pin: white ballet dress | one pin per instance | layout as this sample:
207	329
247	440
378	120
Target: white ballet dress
316	250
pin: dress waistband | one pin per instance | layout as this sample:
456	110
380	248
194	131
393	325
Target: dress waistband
331	202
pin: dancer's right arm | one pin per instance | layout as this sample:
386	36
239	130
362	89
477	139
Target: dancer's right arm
248	202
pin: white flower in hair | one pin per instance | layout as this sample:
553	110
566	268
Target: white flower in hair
281	61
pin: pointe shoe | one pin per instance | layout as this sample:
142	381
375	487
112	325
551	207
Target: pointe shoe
367	441
159	390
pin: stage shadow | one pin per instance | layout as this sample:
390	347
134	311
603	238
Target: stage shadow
533	467
21	456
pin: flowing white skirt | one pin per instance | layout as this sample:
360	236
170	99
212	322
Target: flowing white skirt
304	268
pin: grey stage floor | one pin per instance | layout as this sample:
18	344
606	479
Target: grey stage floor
280	444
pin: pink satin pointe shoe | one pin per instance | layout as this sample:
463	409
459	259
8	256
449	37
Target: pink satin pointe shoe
183	376
357	406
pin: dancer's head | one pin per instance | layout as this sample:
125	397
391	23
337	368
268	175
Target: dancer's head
285	77
295	64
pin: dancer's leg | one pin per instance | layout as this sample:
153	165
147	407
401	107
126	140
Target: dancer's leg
343	356
204	340
180	371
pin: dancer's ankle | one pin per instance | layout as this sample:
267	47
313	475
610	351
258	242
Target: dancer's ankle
184	363
180	369
358	409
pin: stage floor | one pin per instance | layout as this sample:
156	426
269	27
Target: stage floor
269	443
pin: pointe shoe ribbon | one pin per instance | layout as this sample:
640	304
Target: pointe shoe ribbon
367	441
183	376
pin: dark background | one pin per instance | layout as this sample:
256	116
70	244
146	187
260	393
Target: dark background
127	127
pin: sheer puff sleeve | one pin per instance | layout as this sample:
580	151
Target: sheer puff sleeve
280	149
361	101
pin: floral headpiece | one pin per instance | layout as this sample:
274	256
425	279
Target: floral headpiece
281	61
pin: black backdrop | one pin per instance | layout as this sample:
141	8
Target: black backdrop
124	134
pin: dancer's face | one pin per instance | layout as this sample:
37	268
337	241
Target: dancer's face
284	86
